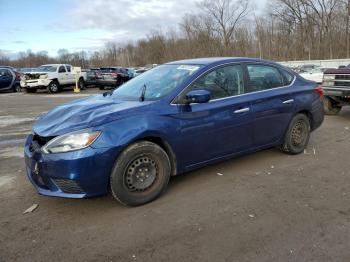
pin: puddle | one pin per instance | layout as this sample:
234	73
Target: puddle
12	120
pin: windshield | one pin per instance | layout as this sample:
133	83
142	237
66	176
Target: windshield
155	83
47	68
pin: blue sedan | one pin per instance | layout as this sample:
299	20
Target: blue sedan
172	119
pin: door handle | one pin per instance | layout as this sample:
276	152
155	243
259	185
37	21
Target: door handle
288	101
243	110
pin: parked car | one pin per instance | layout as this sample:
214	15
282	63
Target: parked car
53	77
9	79
315	74
92	76
336	85
172	119
112	77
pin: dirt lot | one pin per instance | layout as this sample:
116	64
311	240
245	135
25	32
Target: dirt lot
267	206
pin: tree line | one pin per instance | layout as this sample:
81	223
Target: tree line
285	30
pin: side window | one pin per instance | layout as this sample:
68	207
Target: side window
222	82
288	77
262	77
68	68
2	72
62	69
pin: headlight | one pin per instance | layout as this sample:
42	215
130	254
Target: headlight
70	142
44	76
328	77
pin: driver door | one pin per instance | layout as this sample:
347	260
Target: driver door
5	78
62	75
219	128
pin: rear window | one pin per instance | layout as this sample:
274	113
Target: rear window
288	77
263	77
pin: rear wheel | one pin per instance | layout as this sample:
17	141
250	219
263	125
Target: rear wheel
16	88
330	106
297	136
53	87
141	173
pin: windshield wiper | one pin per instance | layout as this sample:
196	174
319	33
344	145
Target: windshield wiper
110	92
142	97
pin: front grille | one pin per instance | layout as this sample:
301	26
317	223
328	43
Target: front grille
345	77
68	186
341	83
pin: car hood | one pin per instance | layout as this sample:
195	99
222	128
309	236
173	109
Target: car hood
85	113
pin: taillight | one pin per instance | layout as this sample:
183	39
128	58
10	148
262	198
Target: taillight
18	76
319	90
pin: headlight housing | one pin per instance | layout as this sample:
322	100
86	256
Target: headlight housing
71	142
328	77
44	76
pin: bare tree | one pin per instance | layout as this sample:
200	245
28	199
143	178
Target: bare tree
225	16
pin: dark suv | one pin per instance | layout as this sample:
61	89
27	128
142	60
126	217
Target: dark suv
112	77
9	79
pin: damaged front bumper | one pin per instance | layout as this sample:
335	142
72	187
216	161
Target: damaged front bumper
77	174
35	83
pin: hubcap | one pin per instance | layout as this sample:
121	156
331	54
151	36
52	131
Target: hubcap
54	87
299	133
141	174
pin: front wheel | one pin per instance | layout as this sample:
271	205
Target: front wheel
297	136
141	173
53	87
330	106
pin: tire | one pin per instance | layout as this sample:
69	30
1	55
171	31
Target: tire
297	136
81	84
101	87
330	107
53	87
17	88
30	90
141	173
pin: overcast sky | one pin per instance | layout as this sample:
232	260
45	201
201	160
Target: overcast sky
85	24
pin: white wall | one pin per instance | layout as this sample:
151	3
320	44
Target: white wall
334	63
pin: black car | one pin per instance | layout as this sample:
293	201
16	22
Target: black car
9	79
91	76
112	77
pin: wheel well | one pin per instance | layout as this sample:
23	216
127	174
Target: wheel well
309	116
167	148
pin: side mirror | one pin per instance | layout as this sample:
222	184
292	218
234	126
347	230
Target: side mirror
198	96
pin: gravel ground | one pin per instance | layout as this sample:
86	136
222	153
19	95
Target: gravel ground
266	206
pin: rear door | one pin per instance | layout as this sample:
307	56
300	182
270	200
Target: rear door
220	127
272	103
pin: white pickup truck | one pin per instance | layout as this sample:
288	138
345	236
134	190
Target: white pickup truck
52	77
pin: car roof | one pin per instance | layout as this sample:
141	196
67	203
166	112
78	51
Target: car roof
212	60
56	65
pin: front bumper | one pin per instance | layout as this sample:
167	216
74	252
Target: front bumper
77	174
35	83
336	91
